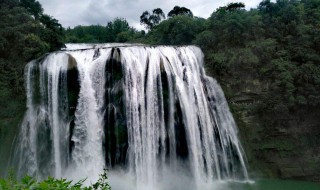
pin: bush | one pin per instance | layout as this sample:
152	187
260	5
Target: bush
28	183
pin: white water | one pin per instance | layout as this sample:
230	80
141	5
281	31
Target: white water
180	132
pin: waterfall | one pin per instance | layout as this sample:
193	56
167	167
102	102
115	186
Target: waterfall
143	110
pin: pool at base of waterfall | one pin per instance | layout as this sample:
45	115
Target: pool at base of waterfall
120	180
270	184
184	184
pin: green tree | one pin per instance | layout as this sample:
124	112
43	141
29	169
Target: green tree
32	6
176	11
117	30
179	30
151	20
235	6
53	32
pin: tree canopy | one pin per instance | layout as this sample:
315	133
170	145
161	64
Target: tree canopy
117	30
178	30
176	11
235	6
33	7
151	20
277	43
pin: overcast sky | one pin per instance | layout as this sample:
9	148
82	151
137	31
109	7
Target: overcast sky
88	12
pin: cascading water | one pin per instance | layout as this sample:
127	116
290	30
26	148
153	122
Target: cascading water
150	112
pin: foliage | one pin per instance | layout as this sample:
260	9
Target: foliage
52	33
179	11
178	30
235	6
117	30
277	44
151	20
102	183
32	6
24	38
28	183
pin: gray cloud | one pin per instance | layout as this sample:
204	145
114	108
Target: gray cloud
87	12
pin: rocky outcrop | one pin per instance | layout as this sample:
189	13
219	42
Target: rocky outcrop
285	146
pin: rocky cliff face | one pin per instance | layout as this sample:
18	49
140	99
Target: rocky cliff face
285	146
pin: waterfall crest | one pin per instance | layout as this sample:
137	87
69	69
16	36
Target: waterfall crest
146	110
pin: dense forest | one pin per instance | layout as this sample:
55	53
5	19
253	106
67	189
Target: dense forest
267	60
